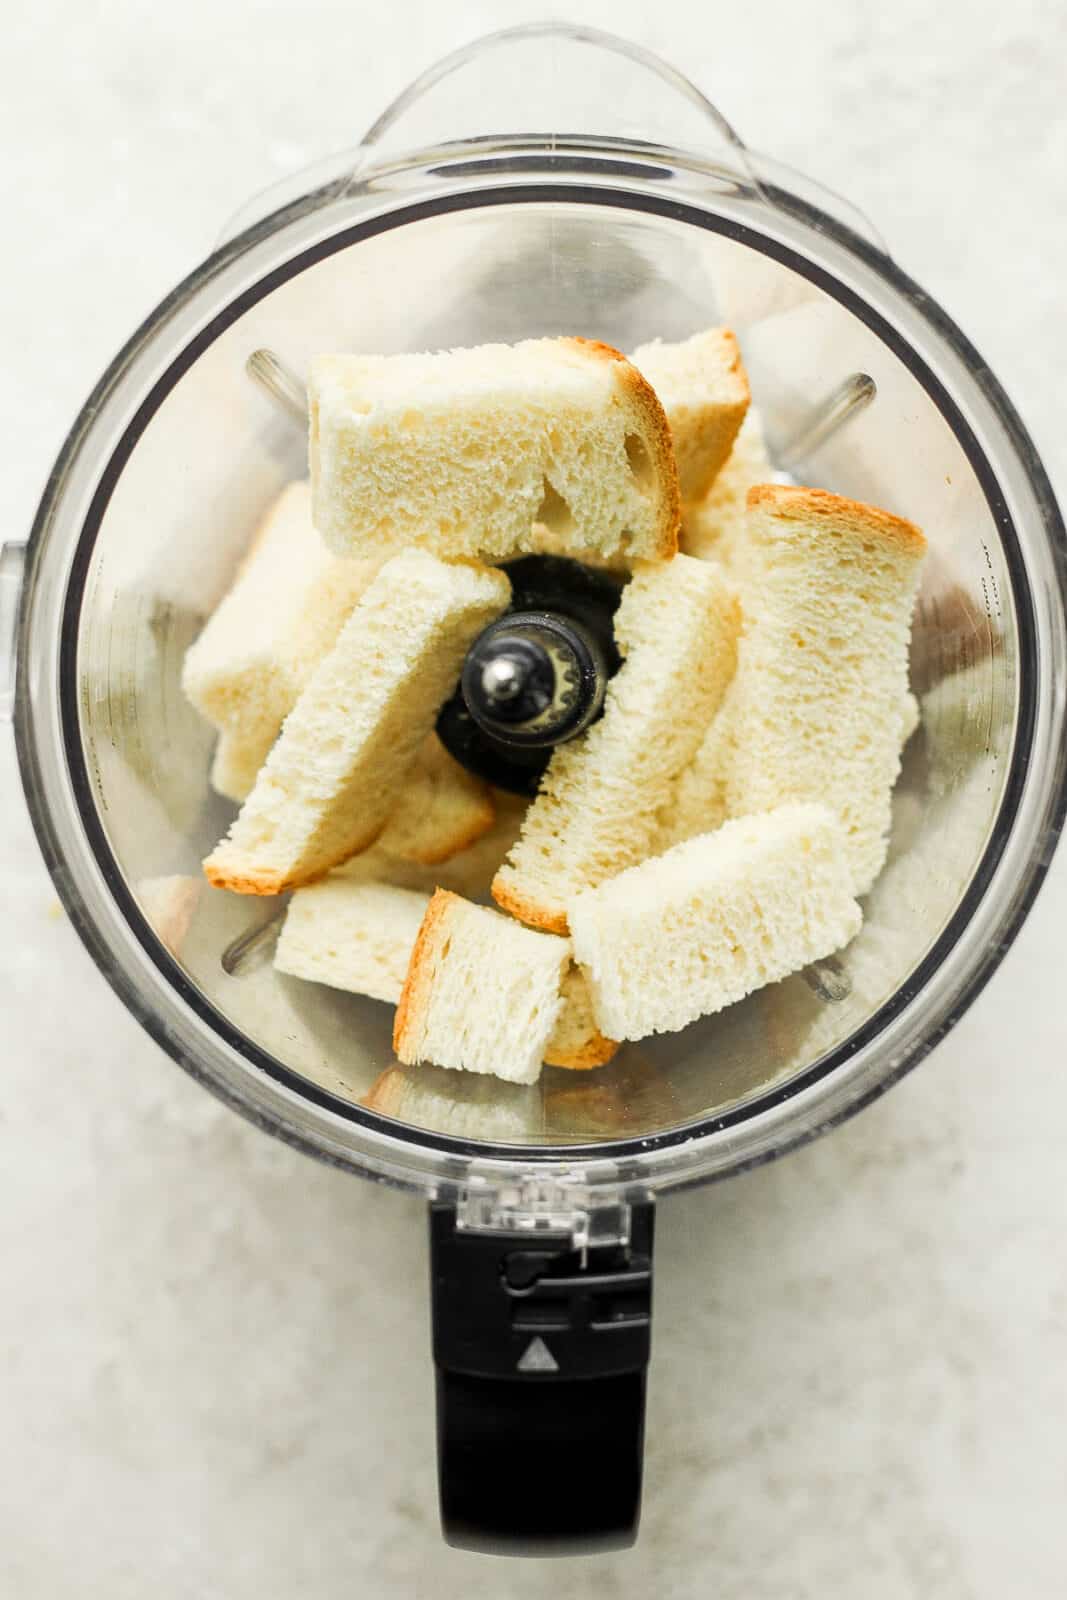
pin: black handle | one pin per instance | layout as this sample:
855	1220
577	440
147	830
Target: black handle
541	1354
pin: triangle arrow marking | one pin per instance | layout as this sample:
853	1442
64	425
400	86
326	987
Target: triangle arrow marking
537	1357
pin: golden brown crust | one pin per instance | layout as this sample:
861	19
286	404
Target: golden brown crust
528	911
386	1092
736	368
413	995
263	883
795	503
244	882
646	403
700	461
597	347
731	415
596	1052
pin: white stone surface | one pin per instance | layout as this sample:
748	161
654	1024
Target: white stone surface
214	1373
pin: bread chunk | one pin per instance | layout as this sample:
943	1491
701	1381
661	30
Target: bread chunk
819	707
331	780
703	389
694	930
461	452
482	992
597	809
258	649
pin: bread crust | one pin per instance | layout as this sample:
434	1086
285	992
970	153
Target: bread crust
386	1092
705	433
737	369
528	911
645	402
240	883
414	994
731	426
267	883
799	504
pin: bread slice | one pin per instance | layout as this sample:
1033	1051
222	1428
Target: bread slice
331	779
354	936
257	651
817	708
713	529
460	452
440	809
702	387
482	993
596	811
692	931
577	1043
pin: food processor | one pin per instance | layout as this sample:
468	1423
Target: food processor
543	180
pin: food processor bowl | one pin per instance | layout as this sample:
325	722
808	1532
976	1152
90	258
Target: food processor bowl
631	211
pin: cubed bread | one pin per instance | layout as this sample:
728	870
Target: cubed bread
354	936
596	812
259	648
482	992
702	387
818	707
461	452
684	934
359	936
332	778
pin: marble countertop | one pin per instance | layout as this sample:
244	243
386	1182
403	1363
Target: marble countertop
214	1371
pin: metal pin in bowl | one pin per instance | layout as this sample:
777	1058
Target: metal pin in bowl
250	949
826	418
279	382
828	979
